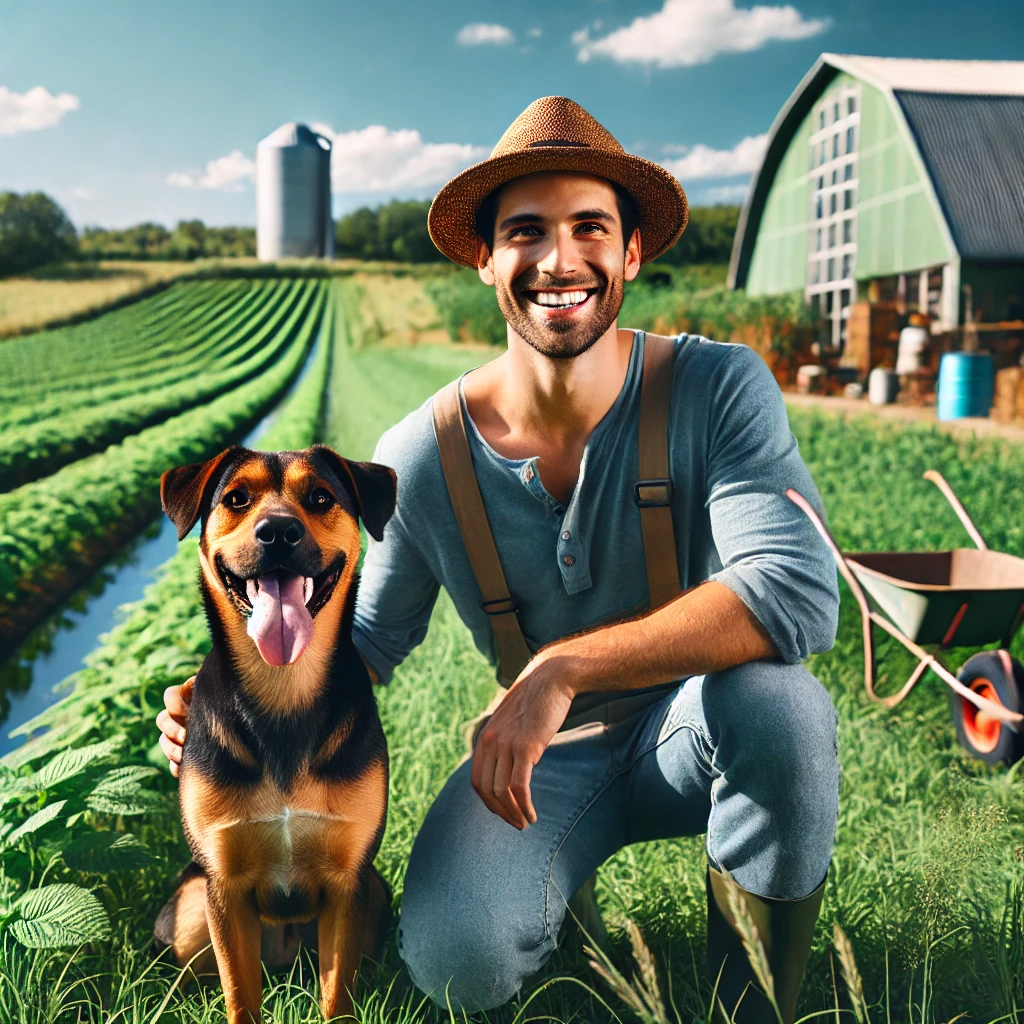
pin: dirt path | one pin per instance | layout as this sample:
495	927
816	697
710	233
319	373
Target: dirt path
979	426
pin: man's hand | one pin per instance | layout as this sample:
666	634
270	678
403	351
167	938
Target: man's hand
171	721
518	733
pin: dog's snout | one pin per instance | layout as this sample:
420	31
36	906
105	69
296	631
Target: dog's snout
279	530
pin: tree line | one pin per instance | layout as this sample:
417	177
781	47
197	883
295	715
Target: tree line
35	231
398	231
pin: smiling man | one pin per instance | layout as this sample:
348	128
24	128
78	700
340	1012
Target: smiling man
650	627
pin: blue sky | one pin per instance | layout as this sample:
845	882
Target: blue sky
129	111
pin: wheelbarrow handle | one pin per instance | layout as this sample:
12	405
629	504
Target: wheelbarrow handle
854	584
940	481
1012	719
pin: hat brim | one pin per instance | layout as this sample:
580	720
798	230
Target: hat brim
660	198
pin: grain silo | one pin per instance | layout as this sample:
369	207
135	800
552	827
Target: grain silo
293	194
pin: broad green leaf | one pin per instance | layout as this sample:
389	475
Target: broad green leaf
120	792
36	821
67	764
60	915
106	851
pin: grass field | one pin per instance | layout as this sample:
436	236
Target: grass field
47	298
927	879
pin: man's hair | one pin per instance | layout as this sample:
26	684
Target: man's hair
629	214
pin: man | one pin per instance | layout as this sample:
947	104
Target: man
697	716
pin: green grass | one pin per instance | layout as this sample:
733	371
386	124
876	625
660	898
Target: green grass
927	874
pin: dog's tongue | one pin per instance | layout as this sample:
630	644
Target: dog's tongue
280	623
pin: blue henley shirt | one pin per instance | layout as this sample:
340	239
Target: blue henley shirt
570	567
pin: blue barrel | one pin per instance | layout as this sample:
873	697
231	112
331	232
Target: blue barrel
966	383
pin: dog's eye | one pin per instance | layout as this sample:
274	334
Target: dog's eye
321	500
236	499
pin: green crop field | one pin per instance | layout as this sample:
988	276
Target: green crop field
927	881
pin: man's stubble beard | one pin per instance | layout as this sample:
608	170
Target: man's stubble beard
561	339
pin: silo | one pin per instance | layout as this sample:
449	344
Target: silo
293	194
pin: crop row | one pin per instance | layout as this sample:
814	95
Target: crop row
144	359
55	531
39	449
76	804
86	350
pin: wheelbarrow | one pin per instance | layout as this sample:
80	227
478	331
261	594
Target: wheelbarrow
967	597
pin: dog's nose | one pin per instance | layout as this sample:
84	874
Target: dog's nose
279	530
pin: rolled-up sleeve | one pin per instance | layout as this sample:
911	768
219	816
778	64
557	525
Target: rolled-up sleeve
397	591
772	557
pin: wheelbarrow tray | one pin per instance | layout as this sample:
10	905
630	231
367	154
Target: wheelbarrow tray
923	593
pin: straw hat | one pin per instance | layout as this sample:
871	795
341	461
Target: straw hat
556	134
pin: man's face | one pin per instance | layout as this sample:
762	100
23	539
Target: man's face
558	265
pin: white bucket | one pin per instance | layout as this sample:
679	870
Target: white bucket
882	386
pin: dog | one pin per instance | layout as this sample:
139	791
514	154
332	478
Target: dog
283	782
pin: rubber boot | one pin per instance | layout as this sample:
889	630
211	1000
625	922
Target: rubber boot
785	927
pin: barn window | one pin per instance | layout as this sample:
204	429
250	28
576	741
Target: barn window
831	235
817	206
849	139
851	105
835	145
847	200
848	230
844	298
848	172
821	118
832	204
819	239
821	159
835	111
831	269
847	270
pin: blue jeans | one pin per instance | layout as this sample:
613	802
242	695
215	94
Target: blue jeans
747	755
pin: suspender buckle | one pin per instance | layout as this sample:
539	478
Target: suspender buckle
508	603
655	493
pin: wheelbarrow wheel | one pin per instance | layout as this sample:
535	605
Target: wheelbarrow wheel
985	737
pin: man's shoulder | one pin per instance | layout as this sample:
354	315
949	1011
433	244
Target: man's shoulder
705	360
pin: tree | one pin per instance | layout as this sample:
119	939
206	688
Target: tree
707	238
34	231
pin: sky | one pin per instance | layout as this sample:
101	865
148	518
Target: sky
127	112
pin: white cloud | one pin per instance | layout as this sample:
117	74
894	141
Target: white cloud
80	192
228	173
377	159
535	33
688	32
481	34
34	110
704	162
726	194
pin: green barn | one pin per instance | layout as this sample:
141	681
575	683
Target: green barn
892	180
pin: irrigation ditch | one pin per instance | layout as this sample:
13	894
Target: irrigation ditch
56	648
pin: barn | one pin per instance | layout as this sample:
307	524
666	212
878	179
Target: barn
896	181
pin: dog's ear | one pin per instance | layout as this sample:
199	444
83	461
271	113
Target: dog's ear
373	488
184	490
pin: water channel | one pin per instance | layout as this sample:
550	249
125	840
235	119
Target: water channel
58	646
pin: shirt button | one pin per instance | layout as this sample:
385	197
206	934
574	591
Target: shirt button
568	559
566	535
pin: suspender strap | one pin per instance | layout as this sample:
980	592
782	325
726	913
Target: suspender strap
653	491
450	430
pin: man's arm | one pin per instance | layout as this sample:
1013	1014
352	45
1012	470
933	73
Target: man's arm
705	629
776	594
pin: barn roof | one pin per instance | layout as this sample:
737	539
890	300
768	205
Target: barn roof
973	147
966	118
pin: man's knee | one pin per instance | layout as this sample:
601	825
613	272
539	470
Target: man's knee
775	713
473	960
774	731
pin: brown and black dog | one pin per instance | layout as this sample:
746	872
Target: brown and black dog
284	778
